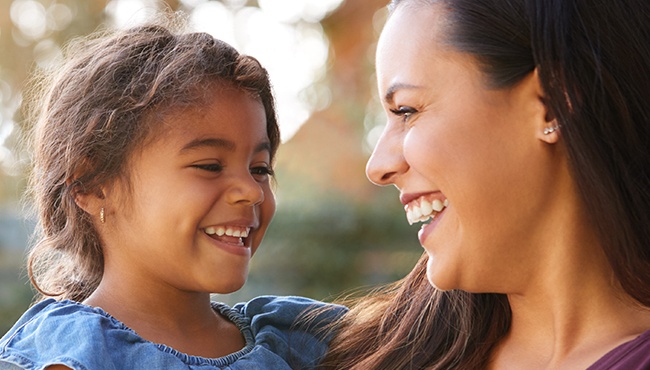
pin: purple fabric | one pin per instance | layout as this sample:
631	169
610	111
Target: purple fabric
633	355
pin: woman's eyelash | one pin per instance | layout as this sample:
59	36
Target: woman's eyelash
404	112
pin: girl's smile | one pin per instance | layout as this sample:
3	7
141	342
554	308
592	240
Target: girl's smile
212	167
232	239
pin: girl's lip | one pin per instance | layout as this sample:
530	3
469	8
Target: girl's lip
427	229
241	222
239	250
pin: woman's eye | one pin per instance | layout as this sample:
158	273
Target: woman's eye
211	167
404	112
261	173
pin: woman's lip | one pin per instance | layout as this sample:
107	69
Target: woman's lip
406	198
427	229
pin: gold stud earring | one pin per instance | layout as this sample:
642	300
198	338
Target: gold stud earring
102	217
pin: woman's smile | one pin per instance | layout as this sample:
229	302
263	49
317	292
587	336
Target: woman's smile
424	208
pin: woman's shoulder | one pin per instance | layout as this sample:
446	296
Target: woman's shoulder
633	355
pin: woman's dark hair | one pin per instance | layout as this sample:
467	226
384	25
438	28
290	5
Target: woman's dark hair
593	60
95	112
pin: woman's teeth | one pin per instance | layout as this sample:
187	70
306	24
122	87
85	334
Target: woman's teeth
424	210
238	232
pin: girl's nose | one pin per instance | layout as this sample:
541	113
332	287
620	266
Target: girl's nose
387	162
245	190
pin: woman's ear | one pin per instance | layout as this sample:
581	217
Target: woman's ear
547	128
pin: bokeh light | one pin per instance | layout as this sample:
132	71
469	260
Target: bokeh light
30	18
284	35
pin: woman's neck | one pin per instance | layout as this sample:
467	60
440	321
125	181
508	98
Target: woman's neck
569	315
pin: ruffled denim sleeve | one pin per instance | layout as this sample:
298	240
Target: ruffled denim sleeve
87	338
296	329
80	337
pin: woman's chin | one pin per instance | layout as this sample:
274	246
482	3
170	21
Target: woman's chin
437	279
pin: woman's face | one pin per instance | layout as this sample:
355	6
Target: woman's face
466	154
200	199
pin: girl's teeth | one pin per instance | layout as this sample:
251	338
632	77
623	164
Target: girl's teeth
221	231
437	205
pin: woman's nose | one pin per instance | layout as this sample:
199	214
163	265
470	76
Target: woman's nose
387	162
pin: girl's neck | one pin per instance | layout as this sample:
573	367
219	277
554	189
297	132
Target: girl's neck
184	321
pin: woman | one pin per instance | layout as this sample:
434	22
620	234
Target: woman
521	130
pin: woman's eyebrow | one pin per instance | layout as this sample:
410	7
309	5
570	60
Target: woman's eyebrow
392	89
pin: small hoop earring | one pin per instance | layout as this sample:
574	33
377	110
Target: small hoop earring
102	216
550	130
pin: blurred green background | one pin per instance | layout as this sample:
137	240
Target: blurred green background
333	232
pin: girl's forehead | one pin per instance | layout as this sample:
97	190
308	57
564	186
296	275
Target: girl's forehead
226	112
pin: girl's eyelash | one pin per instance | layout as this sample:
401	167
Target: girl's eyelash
255	171
262	170
212	167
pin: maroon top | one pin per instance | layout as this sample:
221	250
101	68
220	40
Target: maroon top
632	355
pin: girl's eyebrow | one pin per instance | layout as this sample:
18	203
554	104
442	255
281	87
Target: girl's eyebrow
209	142
222	144
262	147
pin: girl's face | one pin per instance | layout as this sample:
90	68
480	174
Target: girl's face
200	199
466	154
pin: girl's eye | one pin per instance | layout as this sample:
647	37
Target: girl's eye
404	112
211	167
262	173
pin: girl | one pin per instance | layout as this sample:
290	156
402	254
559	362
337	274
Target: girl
152	171
518	133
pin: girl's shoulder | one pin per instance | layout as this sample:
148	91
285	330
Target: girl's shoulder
287	311
296	329
64	332
84	337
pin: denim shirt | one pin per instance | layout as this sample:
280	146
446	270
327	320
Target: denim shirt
87	338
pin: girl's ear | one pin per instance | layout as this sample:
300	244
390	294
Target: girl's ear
90	201
547	128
